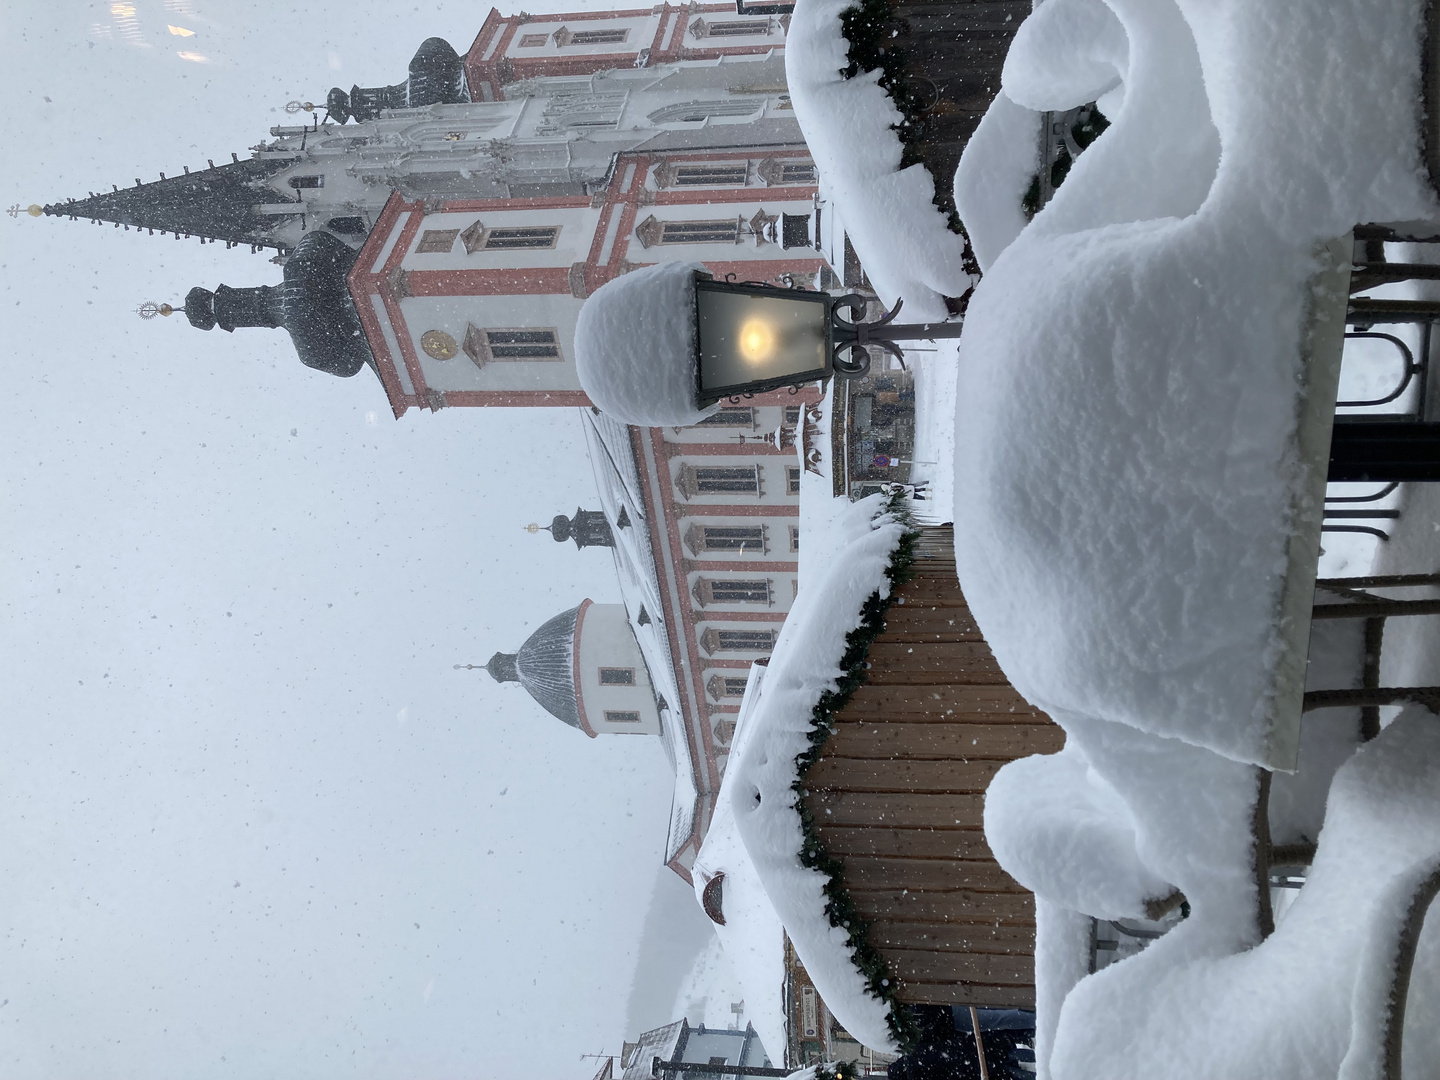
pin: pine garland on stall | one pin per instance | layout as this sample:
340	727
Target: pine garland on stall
839	907
869	26
840	1070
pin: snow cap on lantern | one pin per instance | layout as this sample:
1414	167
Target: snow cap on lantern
636	349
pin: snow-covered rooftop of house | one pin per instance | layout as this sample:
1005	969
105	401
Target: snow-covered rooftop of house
617	481
752	935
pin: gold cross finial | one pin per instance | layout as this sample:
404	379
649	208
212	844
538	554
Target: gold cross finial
34	210
150	309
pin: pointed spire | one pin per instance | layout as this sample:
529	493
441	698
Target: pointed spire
217	203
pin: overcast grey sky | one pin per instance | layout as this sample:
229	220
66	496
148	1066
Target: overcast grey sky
251	820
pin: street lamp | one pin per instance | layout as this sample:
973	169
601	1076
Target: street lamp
751	337
661	345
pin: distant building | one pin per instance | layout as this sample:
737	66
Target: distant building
679	1043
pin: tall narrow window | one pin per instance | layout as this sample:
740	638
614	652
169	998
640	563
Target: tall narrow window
709	175
700	232
621	716
436	241
718	480
732	591
714	640
478	238
729	418
726	686
653	231
794	537
730	28
565	37
314	180
484	346
617	676
692	112
746	539
792	480
533	41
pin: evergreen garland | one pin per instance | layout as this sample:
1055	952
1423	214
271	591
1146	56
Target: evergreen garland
869	26
841	1070
839	907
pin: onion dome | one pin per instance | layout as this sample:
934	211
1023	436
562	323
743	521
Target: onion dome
437	77
588	528
313	304
545	667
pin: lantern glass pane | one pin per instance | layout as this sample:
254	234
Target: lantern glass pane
745	338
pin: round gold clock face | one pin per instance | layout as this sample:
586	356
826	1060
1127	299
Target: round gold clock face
438	344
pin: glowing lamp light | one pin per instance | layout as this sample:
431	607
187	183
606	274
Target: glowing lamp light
750	338
753	338
757	341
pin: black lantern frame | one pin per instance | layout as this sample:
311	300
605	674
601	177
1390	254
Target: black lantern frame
844	353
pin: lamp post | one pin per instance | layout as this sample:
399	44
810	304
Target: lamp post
751	338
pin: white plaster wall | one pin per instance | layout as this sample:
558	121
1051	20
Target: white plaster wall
606	640
453	313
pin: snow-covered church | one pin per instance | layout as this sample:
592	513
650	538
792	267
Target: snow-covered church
442	232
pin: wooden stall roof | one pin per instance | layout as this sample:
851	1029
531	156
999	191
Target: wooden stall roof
898	794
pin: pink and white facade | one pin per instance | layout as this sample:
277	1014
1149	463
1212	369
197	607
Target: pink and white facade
600	142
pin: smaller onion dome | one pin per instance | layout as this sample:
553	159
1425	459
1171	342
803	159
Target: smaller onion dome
437	77
545	667
588	528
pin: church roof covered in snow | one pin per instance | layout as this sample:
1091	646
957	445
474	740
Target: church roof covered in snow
218	203
545	666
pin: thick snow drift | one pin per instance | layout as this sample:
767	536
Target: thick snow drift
995	170
1129	373
902	239
856	552
1309	995
635	347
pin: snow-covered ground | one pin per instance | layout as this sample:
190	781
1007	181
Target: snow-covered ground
1127	481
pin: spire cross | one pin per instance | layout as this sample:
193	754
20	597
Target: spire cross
13	211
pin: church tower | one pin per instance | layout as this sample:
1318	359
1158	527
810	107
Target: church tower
482	199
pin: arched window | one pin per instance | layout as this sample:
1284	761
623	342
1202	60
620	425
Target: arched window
690	112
